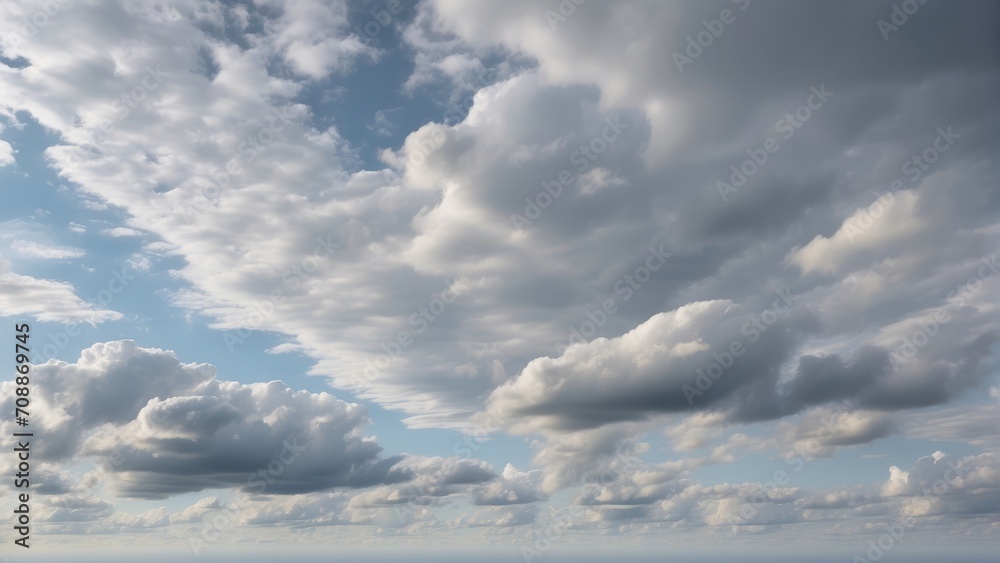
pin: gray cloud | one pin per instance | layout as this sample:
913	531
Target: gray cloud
160	427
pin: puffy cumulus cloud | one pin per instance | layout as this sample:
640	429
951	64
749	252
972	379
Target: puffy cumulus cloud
159	427
652	368
937	473
46	300
261	437
110	384
513	487
941	485
685	360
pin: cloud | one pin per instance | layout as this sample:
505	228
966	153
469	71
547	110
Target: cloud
46	300
139	262
819	432
159	427
434	479
6	154
435	217
498	517
31	240
655	368
940	484
35	250
615	160
313	37
118	232
382	124
513	487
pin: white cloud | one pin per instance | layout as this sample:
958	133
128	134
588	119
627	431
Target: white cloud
896	223
31	249
46	300
6	153
314	39
139	262
117	232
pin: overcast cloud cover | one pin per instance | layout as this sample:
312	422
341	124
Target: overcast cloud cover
516	275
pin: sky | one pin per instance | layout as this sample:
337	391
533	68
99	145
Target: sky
502	279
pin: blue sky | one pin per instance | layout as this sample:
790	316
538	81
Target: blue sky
370	228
